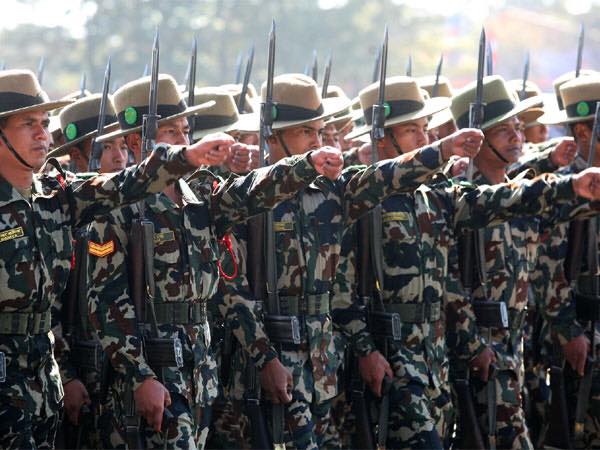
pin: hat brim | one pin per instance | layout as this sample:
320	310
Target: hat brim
518	109
48	106
64	149
432	106
248	123
331	107
531	115
559	117
190	111
440	118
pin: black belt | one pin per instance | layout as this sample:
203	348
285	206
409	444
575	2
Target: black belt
178	313
286	329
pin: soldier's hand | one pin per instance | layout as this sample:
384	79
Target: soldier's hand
480	365
365	154
576	351
373	367
239	158
328	161
76	395
587	183
276	380
459	167
211	150
254	156
564	153
150	401
465	142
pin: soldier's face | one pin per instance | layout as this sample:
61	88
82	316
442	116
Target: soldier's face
409	136
174	132
330	136
446	129
345	144
28	134
507	139
114	155
536	134
298	140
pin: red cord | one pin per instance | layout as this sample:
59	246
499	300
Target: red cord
226	241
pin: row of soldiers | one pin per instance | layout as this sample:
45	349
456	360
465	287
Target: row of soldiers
181	296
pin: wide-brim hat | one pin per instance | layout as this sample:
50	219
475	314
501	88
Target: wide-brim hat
297	101
500	103
566	77
428	83
404	101
131	103
250	103
79	121
222	116
579	97
341	119
21	92
530	116
440	118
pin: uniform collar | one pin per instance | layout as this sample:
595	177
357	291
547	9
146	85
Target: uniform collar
8	194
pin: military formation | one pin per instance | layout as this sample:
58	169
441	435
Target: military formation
193	267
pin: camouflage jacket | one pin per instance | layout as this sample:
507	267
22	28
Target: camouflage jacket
36	241
185	264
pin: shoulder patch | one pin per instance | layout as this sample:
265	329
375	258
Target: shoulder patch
283	226
101	250
161	238
396	216
13	233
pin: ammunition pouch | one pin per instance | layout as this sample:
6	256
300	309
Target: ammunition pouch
286	329
308	305
178	313
389	323
164	352
25	323
587	307
87	355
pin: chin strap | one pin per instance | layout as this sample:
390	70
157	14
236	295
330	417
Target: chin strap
282	142
395	144
13	151
496	152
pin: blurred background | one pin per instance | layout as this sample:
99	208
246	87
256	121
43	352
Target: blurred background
77	36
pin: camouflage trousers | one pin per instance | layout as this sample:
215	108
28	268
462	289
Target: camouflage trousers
20	430
511	429
591	430
230	427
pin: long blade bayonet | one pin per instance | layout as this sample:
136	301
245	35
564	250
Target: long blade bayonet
409	66
82	83
489	59
94	163
150	120
326	76
580	50
249	62
40	70
238	68
266	113
435	91
523	92
476	108
378	121
314	67
191	84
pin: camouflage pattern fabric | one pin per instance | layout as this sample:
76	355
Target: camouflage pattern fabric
34	268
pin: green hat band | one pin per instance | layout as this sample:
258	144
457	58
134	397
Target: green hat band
395	108
79	128
132	116
581	109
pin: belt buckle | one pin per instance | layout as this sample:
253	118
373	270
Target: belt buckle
295	330
2	367
396	327
178	352
504	315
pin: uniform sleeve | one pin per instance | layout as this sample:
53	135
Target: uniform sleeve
536	159
110	306
241	197
238	306
368	187
100	194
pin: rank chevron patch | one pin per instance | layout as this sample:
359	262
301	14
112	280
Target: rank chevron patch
101	250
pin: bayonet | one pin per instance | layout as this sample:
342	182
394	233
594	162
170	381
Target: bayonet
326	76
314	67
409	66
82	83
150	120
438	71
249	62
40	70
191	84
378	122
523	92
146	70
489	59
238	68
580	41
94	163
476	108
266	113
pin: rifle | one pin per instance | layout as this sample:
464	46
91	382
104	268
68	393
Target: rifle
94	162
326	77
580	41
40	70
438	71
409	66
82	83
242	100
191	86
469	435
523	92
261	256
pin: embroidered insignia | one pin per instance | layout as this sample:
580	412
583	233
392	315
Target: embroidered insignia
13	233
161	238
398	216
283	226
101	250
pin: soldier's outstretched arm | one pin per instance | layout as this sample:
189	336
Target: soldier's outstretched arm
546	157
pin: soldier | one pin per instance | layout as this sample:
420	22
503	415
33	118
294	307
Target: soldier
533	131
509	251
562	291
38	213
185	224
441	123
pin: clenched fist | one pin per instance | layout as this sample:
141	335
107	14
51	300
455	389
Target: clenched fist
587	183
465	142
328	161
564	153
211	150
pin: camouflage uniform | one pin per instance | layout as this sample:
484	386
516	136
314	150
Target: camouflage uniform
184	239
37	247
